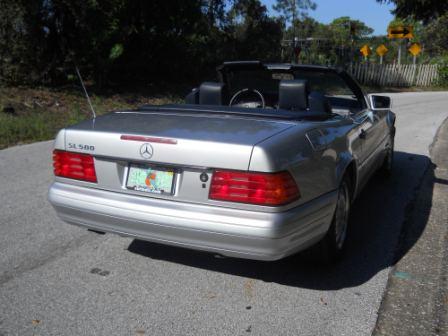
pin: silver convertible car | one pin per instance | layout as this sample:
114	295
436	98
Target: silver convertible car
261	164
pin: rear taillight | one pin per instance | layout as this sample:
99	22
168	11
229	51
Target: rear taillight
254	188
74	165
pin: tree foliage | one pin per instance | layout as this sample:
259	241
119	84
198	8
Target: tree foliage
123	41
293	9
436	36
252	33
148	42
425	10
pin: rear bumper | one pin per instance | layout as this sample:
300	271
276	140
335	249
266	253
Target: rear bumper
230	232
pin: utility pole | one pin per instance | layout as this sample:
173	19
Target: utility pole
352	42
293	17
294	37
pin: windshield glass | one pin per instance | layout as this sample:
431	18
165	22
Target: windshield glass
261	80
339	94
326	82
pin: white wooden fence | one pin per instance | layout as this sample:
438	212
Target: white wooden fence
394	74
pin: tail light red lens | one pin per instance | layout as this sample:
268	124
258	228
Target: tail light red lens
74	165
254	188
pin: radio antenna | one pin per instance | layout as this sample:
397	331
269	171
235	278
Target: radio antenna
85	91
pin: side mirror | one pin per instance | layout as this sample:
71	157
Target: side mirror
380	102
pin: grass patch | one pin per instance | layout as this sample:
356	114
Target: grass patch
29	115
15	130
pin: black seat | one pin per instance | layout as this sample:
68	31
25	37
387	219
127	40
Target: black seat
212	93
192	97
318	103
293	94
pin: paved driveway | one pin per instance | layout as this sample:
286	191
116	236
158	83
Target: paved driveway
57	279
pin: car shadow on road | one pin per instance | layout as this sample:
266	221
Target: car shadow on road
378	216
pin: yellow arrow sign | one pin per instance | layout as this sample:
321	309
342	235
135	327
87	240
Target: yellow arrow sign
365	50
415	49
400	32
381	50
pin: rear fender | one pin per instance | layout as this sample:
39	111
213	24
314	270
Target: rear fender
391	117
59	141
347	164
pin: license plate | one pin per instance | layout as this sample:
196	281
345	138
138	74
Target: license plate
149	179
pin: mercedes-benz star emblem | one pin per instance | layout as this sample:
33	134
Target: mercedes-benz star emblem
146	151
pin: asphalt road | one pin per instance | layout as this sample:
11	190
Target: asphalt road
57	279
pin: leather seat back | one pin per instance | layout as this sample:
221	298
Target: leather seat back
318	103
293	94
212	93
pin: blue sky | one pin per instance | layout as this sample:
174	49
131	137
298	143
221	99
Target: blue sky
375	15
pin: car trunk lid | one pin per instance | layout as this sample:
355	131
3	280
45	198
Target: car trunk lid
221	141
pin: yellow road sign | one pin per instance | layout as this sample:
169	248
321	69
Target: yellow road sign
400	32
415	49
381	50
365	50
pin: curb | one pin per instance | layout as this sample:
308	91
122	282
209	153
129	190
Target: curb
416	297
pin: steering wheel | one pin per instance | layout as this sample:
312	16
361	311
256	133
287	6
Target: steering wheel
238	98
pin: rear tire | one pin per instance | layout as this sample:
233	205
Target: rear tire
331	247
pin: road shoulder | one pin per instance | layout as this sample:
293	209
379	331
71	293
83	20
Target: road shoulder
416	297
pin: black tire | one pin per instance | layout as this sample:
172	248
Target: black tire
388	163
330	249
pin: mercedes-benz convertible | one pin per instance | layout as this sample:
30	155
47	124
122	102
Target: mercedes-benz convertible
261	164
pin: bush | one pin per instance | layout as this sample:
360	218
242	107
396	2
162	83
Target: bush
443	72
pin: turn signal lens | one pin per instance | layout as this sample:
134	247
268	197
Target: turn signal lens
74	165
254	188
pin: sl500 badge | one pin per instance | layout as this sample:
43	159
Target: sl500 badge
81	147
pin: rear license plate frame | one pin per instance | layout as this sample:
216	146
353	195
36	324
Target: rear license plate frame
156	168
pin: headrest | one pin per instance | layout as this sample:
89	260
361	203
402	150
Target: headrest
293	94
192	97
319	103
212	93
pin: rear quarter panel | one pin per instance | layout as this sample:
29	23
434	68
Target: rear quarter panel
316	169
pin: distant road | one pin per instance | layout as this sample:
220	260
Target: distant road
57	279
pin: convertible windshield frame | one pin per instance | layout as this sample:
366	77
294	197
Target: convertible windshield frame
225	72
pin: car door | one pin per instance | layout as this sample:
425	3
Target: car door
367	130
372	131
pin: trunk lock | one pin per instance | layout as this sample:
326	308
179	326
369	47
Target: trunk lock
203	177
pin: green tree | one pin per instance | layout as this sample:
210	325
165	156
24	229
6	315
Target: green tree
22	43
435	36
346	35
290	10
344	28
425	10
111	40
334	43
252	34
303	28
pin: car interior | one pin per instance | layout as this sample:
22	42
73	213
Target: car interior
309	93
